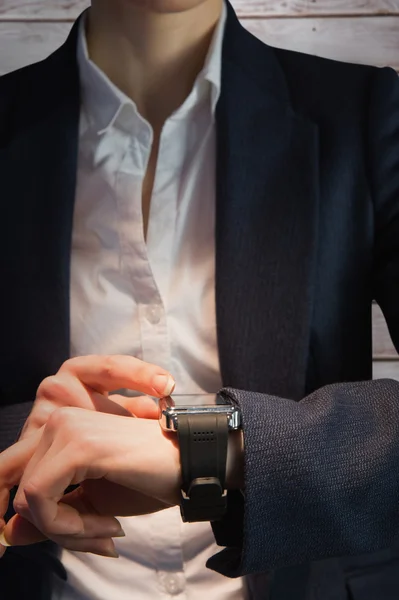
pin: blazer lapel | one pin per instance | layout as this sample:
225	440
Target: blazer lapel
267	191
38	153
266	222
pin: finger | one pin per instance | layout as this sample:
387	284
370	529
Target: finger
64	389
84	382
20	532
13	461
41	491
12	464
97	525
116	500
102	547
4	502
142	407
113	372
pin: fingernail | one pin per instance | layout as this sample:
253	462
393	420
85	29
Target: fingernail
163	384
3	540
109	553
119	533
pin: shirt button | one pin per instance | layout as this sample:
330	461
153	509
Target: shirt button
153	314
172	583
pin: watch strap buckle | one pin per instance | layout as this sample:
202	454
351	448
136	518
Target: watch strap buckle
205	500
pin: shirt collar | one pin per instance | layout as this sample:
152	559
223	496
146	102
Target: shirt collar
104	102
212	69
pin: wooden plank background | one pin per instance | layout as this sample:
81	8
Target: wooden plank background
69	9
363	31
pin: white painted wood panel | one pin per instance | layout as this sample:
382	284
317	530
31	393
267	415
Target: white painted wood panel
69	9
383	347
386	364
373	40
305	8
386	370
25	43
41	9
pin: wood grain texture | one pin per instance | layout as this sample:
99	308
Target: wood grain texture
373	40
42	9
25	43
69	9
306	8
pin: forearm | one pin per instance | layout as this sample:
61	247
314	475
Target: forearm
321	475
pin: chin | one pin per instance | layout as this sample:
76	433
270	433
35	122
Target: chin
168	6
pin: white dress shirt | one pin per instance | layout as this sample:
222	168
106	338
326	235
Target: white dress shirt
153	299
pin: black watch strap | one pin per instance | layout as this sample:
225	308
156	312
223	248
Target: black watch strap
203	453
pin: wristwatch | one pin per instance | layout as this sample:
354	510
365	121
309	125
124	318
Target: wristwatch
202	425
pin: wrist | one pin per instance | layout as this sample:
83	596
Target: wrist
211	454
172	450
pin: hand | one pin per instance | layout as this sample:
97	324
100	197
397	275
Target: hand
96	497
81	382
85	381
78	445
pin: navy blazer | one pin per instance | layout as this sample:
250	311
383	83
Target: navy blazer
307	235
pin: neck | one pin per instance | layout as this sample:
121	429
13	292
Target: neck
153	57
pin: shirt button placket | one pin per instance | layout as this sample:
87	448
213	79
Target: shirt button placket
154	334
172	583
153	314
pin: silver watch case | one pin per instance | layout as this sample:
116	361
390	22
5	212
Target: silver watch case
170	409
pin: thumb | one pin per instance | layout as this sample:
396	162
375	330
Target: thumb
20	532
12	465
142	407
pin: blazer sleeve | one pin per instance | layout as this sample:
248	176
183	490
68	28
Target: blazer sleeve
322	474
12	420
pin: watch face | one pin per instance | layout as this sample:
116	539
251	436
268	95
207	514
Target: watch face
195	399
170	408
